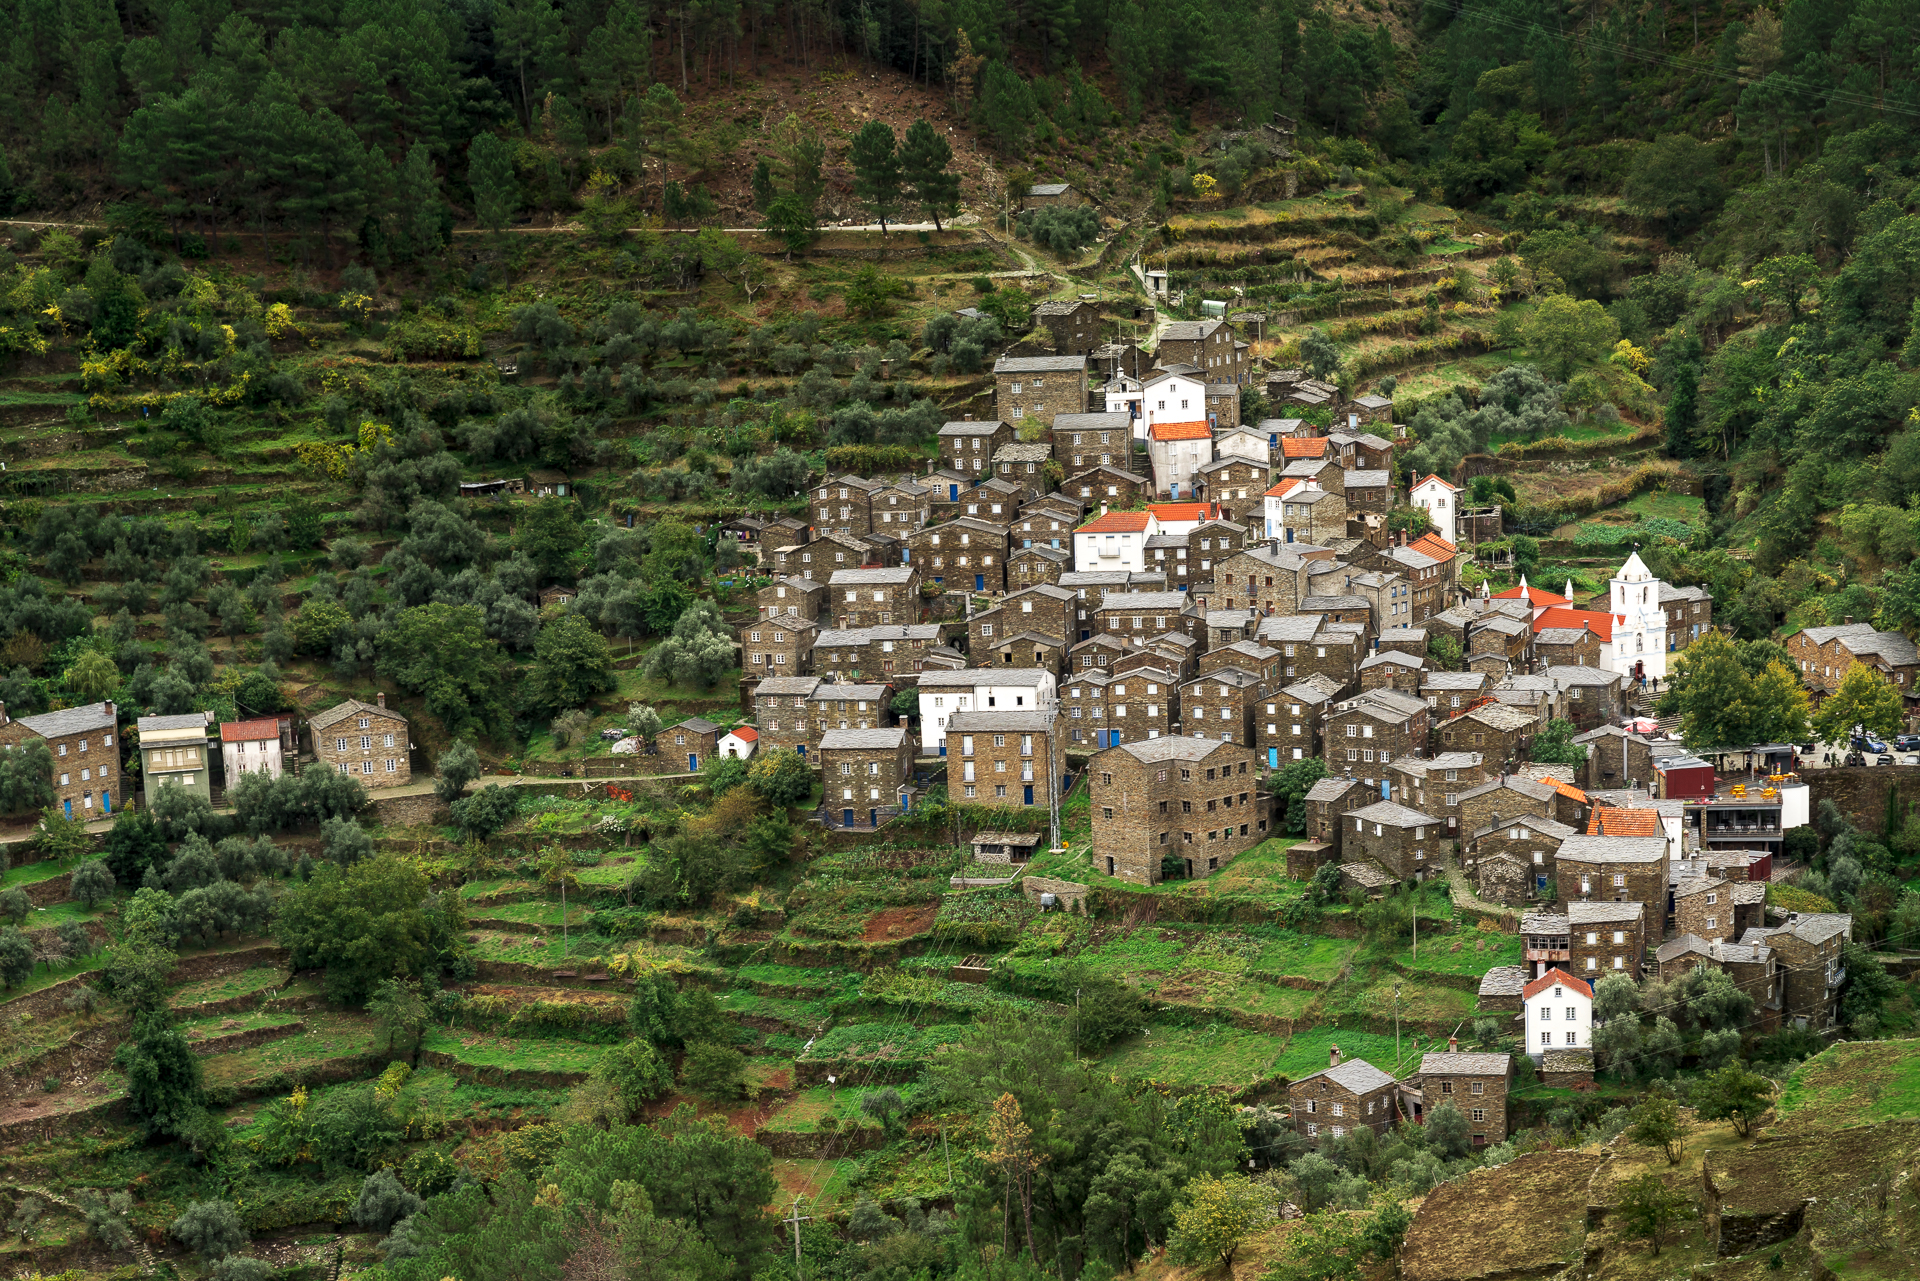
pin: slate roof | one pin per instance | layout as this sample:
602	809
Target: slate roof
786	685
1614	849
832	692
1503	980
1327	789
697	725
1040	365
892	575
863	739
1367	480
1023	452
1172	748
1580	912
321	720
1117	421
187	720
1463	1063
971	427
1037	720
1356	1075
1393	814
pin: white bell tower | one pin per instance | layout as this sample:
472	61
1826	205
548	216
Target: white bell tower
1639	621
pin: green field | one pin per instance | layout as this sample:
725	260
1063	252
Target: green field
1851	1082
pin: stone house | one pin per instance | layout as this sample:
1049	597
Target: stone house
1108	486
1513	858
1046	609
1211	542
1098	652
825	554
876	651
1500	732
863	773
1825	653
173	752
1003	757
81	741
1503	637
1269	580
1504	796
840	705
779	645
1808	945
1026	649
695	738
1168	554
996	501
1310	514
1435	783
792	595
1448	692
1040	195
1606	936
1429	579
1405	843
1210	346
1343	1096
1222	705
1177	450
782	713
1567	646
1174	651
1036	566
1689	615
1038	387
1195	800
1391	669
1310	646
843	505
1022	463
1248	655
1616	758
1389	599
968	447
1226	627
1500	989
961	555
899	507
1361	450
1589	696
1477	1084
874	597
1104	709
1328	802
1238	485
1367	733
365	740
1703	907
1048	520
1341	609
1072	323
1137	617
1289	727
1081	441
1625	869
1754	967
1369	491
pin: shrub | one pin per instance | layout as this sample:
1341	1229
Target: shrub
383	1202
212	1229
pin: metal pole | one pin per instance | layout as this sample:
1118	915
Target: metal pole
796	1219
1396	1027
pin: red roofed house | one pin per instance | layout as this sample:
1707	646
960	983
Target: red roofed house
1559	1013
1435	546
254	747
1181	519
1441	501
739	742
1177	451
1114	540
1303	447
1276	509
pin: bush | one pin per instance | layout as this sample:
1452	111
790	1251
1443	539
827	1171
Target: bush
212	1229
383	1202
1065	231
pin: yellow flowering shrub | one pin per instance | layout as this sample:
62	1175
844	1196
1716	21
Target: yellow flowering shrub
280	321
1629	356
356	306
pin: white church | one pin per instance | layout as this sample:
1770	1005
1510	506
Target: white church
1632	630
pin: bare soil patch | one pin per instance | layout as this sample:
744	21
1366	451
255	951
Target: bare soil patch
899	923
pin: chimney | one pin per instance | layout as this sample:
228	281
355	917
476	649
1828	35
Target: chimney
1103	509
1453	1044
107	706
1333	1056
3	713
381	698
1847	619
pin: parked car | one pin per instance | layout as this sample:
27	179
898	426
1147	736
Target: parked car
1855	759
1867	743
1910	760
1907	743
1883	760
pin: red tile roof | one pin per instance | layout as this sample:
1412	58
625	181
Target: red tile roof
1606	821
1597	622
1117	523
747	734
1181	431
1184	511
1551	977
1303	446
1281	490
1536	596
1430	476
248	731
1435	546
1567	790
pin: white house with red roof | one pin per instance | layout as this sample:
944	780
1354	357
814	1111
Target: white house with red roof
1178	450
1114	541
252	747
1558	1009
739	742
1181	519
1275	508
1162	397
1441	501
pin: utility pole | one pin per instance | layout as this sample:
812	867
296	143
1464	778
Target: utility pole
1053	780
796	1219
1396	1027
948	1154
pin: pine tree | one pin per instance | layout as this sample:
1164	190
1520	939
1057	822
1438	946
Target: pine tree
923	166
764	192
1682	411
496	193
876	169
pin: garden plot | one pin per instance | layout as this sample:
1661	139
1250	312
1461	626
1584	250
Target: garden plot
824	1108
257	981
334	1046
1851	1082
1524	1218
501	1060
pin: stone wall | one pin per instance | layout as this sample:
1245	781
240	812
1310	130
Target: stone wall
1861	792
407	811
1072	895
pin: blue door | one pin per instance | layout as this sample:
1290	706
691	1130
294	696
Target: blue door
979	582
802	749
69	805
1029	792
693	763
906	555
943	747
873	818
846	818
1273	758
106	801
953	493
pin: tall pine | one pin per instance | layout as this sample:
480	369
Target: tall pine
496	192
876	170
924	158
